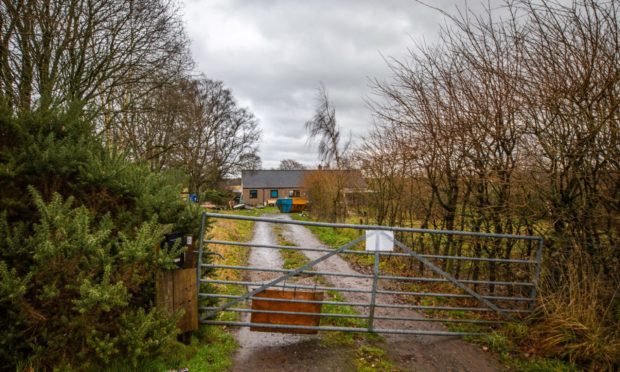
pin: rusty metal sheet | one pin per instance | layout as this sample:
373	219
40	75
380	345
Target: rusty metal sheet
288	319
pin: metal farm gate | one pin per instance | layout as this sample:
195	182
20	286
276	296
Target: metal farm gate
463	280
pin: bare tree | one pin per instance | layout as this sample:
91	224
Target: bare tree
511	126
323	126
510	122
290	164
251	161
572	69
58	52
386	161
222	137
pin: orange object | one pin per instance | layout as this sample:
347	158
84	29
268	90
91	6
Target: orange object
290	319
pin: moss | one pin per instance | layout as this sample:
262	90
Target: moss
371	358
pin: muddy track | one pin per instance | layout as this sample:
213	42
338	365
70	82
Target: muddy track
261	351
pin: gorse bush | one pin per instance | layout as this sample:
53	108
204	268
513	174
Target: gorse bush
79	228
58	153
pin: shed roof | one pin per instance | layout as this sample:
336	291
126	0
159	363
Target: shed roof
272	178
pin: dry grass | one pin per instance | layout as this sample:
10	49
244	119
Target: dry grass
229	230
578	319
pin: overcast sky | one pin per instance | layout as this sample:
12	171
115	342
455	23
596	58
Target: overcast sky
274	54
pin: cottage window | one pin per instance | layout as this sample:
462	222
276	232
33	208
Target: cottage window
274	193
294	193
253	194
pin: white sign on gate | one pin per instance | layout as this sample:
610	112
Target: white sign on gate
379	240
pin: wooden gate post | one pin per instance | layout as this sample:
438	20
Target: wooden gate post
176	290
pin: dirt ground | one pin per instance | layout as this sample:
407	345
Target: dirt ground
263	351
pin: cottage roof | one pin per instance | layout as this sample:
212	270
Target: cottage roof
272	178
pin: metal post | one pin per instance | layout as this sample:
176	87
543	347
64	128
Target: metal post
373	296
536	274
200	247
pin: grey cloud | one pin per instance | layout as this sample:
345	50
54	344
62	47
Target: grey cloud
273	54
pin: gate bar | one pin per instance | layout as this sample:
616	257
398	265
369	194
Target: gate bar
359	316
267	269
364	276
373	296
363	304
379	291
454	281
383	253
373	227
342	329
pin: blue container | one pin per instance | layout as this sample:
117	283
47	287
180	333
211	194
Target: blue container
284	205
291	205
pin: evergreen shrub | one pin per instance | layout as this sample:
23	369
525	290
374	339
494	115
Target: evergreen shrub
79	227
